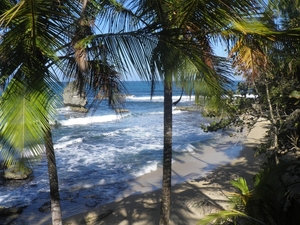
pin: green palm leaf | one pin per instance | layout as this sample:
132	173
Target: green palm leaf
227	215
24	117
241	185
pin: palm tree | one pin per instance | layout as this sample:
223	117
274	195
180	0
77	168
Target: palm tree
272	201
38	39
41	38
266	52
30	35
184	54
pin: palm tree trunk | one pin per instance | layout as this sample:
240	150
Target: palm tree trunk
167	155
259	101
274	123
53	180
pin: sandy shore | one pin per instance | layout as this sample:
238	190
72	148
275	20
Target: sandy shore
191	198
200	181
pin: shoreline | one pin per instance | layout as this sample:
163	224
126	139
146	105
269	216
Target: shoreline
198	179
191	199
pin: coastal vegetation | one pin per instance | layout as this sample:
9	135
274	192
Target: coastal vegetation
271	69
45	41
272	200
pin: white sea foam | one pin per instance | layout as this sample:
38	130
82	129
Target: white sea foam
146	99
65	138
95	155
159	98
177	111
134	98
184	148
111	134
247	96
117	132
146	169
64	144
154	113
64	109
184	98
89	120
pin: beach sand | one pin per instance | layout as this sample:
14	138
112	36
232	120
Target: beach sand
200	181
191	199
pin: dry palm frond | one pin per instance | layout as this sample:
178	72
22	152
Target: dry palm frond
294	141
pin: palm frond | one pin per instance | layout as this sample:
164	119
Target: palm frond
226	215
25	115
241	199
28	48
254	27
241	185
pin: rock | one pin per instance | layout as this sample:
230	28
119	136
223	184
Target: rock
96	219
46	207
122	110
18	222
193	108
10	215
73	98
79	109
17	173
10	211
55	124
91	203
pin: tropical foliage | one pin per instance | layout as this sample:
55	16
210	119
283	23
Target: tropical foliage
40	43
270	66
270	63
93	42
44	41
184	54
273	200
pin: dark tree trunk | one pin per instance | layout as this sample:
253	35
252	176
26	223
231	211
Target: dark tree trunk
53	180
259	101
167	155
274	124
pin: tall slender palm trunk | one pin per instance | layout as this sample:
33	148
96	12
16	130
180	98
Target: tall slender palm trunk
53	180
167	155
274	123
259	101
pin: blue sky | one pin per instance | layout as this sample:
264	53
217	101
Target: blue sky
221	51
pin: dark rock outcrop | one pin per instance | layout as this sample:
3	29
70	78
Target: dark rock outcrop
46	207
73	98
9	215
10	211
17	173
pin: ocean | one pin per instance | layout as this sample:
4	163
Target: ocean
98	152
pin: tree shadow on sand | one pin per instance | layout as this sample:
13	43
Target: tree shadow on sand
189	201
